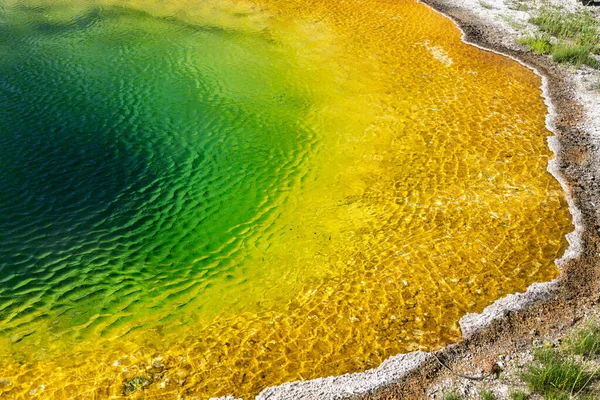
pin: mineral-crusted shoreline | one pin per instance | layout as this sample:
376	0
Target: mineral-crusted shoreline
514	324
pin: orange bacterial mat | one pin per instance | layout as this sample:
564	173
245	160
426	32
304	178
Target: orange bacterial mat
207	198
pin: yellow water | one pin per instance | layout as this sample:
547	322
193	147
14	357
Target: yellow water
427	197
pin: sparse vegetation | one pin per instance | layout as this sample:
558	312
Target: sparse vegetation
538	43
452	395
134	385
552	374
486	395
557	396
571	37
486	5
519	396
586	342
573	54
579	27
516	25
566	371
521	7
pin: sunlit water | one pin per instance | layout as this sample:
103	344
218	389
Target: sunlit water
208	197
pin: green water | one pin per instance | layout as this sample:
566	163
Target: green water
219	196
142	159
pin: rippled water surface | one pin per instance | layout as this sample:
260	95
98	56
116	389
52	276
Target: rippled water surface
207	198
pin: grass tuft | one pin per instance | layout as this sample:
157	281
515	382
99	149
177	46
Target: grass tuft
516	25
577	36
557	396
135	384
452	395
521	7
580	26
586	342
573	54
551	373
486	5
538	43
519	396
486	395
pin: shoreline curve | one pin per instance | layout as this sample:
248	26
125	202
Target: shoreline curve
400	367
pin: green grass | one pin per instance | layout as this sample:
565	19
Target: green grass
573	54
551	373
519	396
538	43
578	26
521	7
557	396
486	5
576	36
486	395
588	396
135	384
586	342
516	25
452	395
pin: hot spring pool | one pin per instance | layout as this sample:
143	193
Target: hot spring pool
207	198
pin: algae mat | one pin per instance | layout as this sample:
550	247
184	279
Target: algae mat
204	198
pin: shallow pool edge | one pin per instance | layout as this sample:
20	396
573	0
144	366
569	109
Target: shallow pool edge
397	368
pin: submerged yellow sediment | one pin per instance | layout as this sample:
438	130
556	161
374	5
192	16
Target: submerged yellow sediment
428	198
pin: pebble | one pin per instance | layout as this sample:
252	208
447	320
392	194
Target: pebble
157	363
